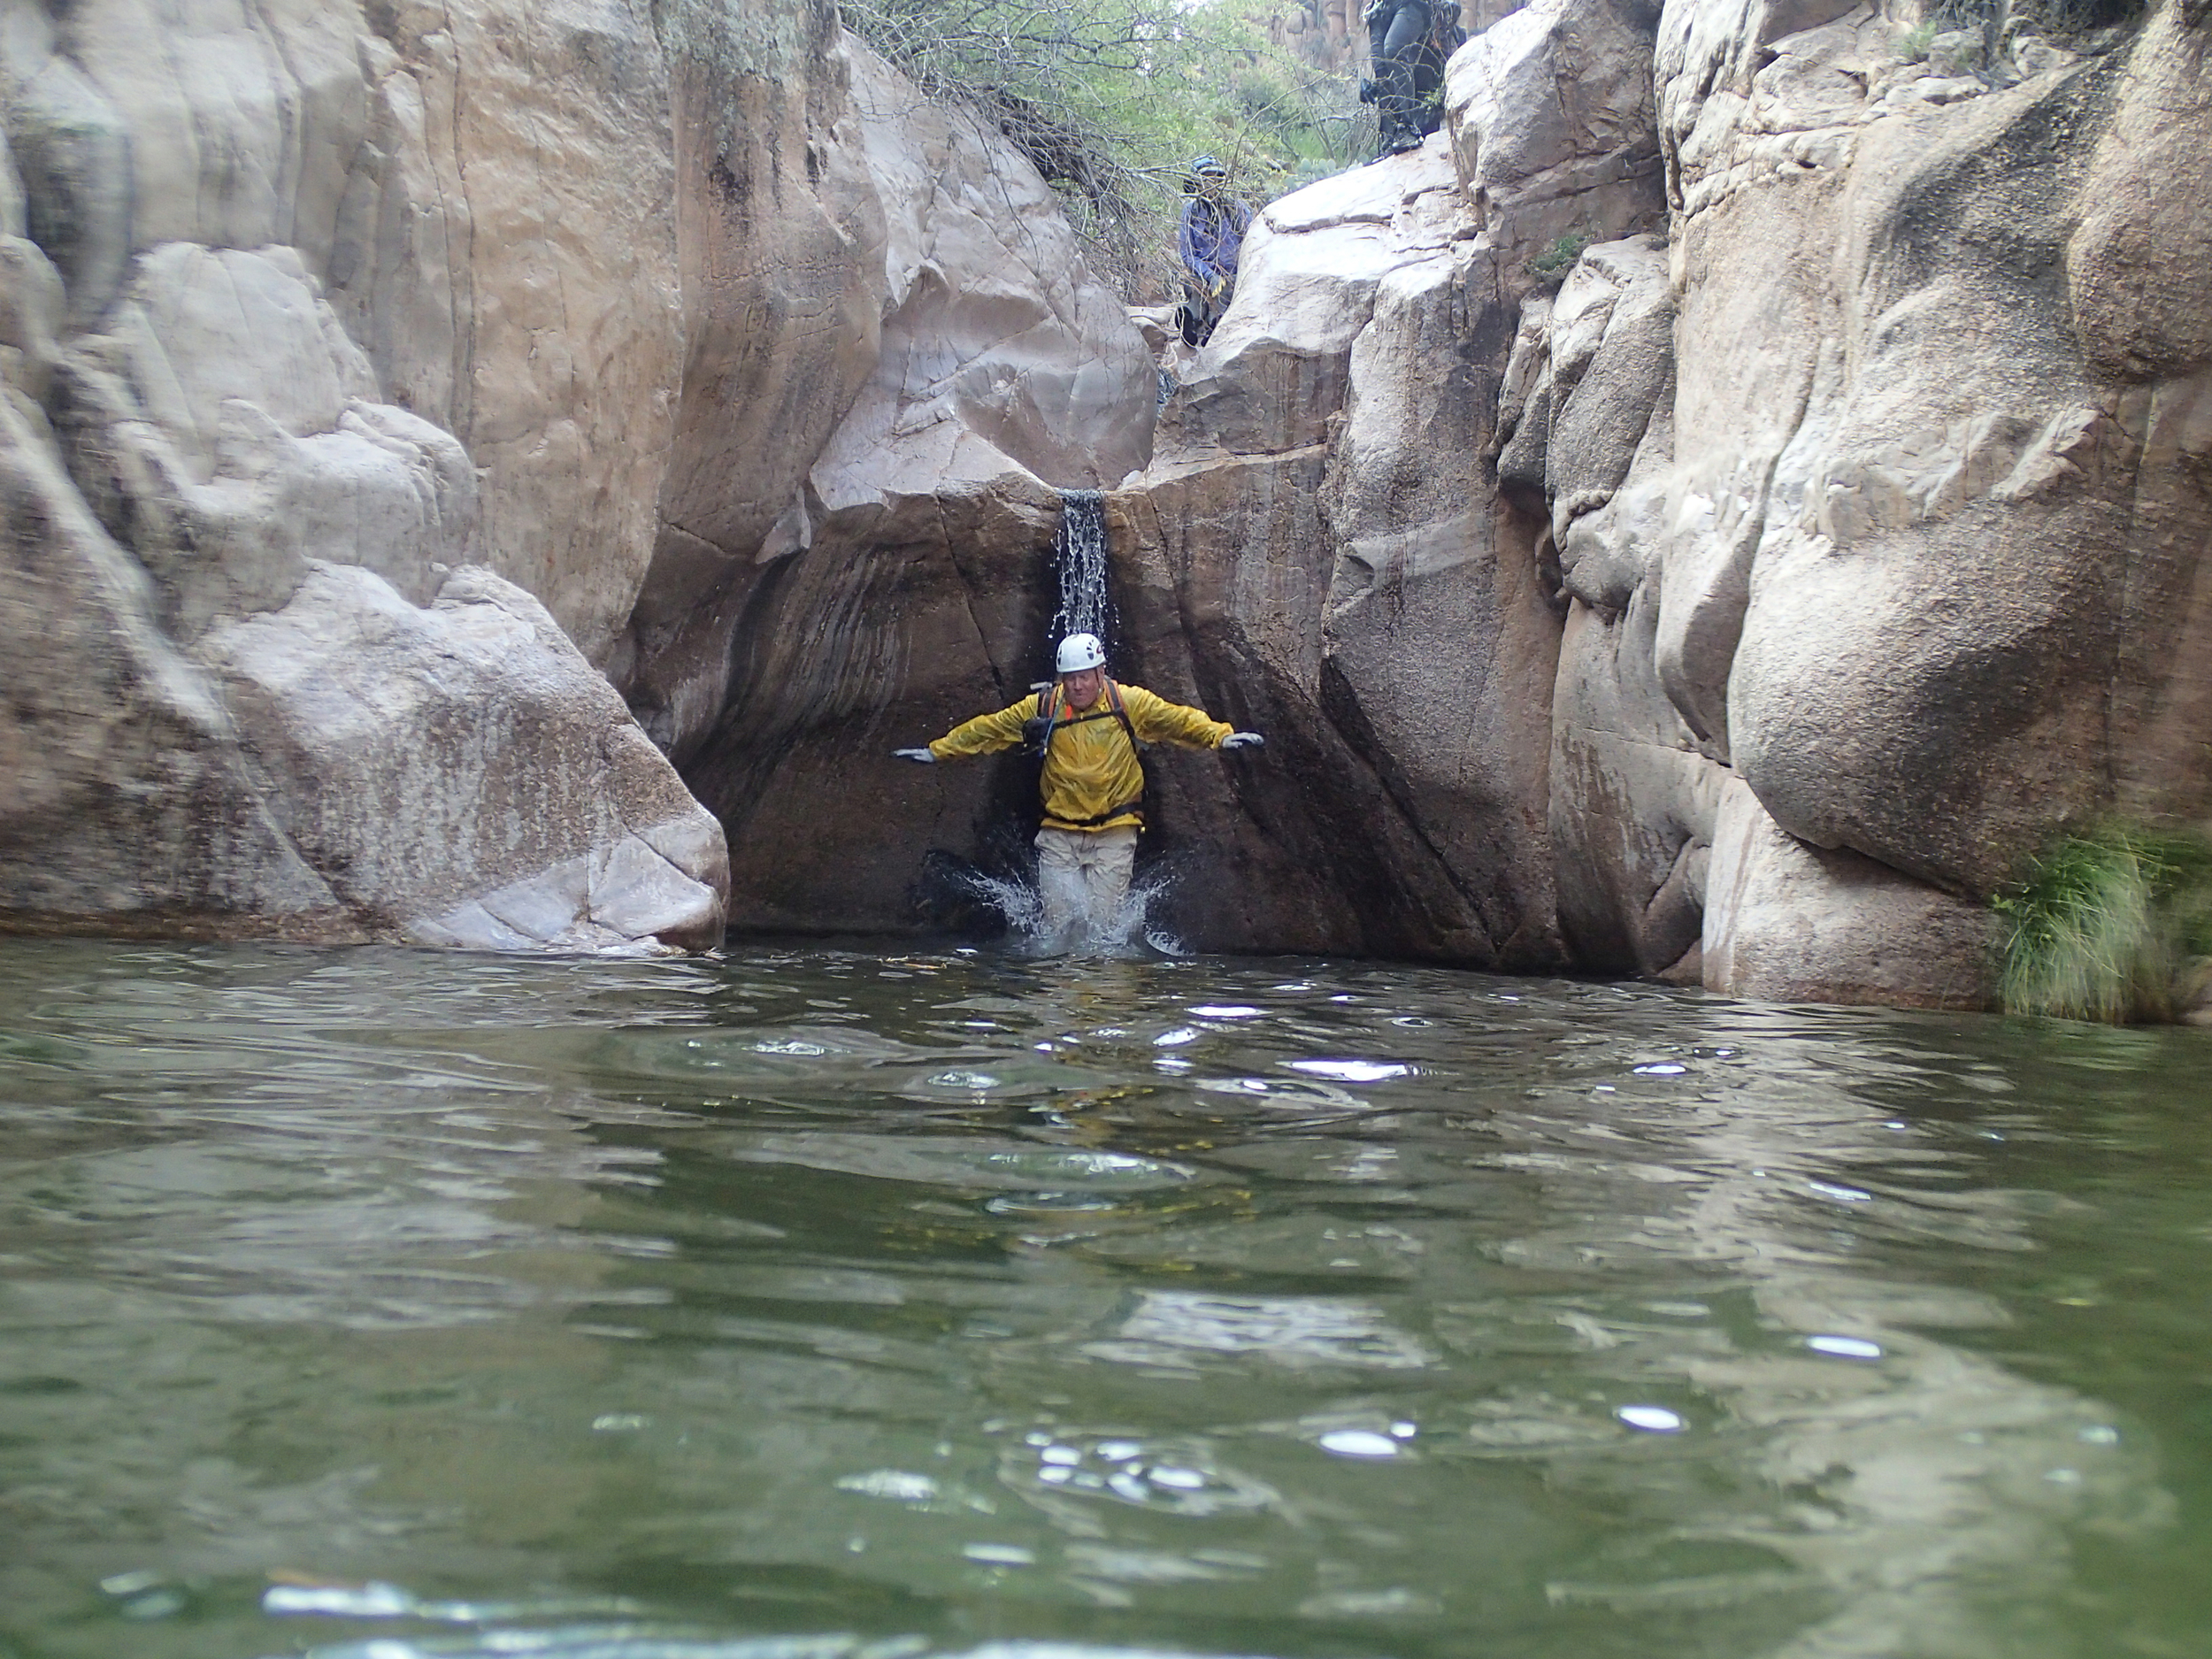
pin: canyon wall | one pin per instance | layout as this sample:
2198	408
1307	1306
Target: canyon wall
1907	578
508	476
337	346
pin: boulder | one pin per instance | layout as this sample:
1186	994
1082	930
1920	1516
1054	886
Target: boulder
462	775
1550	117
1787	922
1932	599
1277	365
227	431
130	807
1439	639
482	194
2132	261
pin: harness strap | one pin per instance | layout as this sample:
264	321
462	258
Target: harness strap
1053	702
1113	695
1107	817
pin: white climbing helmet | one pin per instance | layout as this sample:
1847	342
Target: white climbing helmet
1079	651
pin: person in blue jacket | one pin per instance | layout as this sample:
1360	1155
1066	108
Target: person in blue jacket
1208	240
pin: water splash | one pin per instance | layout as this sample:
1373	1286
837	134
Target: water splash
1132	929
1079	554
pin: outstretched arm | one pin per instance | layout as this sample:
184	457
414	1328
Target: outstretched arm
983	735
1157	720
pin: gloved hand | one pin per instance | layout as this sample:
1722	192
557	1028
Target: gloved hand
1242	740
921	755
1216	288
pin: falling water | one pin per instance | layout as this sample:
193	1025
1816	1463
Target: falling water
1080	555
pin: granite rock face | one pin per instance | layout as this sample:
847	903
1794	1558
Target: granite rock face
1324	547
1853	462
1711	513
1903	573
382	381
445	715
313	366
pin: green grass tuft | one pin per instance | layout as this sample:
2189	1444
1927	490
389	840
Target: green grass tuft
2110	926
1561	255
1913	44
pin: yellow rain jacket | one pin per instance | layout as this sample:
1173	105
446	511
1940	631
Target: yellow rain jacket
1092	780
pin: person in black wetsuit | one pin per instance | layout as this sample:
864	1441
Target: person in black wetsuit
1407	41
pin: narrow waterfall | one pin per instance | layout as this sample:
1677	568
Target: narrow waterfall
1079	554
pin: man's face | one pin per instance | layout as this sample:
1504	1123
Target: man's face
1083	686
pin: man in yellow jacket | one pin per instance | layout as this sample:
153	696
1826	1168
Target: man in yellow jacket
1089	728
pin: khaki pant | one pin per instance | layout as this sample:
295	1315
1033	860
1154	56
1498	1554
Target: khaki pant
1083	876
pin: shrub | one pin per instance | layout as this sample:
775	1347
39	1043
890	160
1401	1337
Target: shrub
2107	926
1111	98
1560	257
1914	42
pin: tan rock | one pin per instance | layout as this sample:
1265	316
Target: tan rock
226	427
463	774
1632	786
69	150
1225	569
2131	265
1931	597
1785	922
128	807
244	475
902	620
1279	364
1438	640
547	132
483	192
782	237
1551	125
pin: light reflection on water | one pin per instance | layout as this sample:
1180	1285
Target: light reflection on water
825	1303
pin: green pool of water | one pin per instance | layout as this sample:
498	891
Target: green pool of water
825	1304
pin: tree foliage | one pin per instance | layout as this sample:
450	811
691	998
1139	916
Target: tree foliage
1112	98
